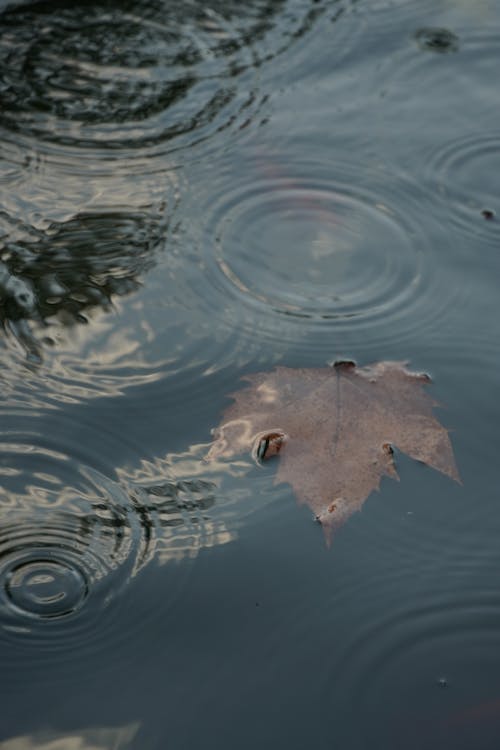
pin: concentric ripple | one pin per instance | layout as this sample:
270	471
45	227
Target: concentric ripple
307	250
294	247
394	671
46	587
149	73
66	529
80	553
441	67
73	541
72	538
463	172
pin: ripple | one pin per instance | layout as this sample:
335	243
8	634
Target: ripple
88	101
152	348
89	327
64	518
391	14
303	251
330	35
434	70
400	660
109	75
293	248
75	239
78	547
74	538
72	542
186	505
46	587
463	173
64	273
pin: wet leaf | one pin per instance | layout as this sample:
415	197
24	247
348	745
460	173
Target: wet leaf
333	429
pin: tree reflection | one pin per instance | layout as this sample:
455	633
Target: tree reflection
73	268
85	73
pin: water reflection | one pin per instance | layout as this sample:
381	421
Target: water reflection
185	504
73	268
97	738
339	212
137	74
92	98
73	535
66	532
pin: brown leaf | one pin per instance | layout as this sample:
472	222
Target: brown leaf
333	429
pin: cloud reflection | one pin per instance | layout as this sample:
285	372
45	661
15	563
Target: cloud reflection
99	738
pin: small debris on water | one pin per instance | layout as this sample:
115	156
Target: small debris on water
437	40
488	214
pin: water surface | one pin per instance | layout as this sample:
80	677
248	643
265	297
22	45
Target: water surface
189	193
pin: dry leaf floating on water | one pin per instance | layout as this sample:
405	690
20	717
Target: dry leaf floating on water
333	428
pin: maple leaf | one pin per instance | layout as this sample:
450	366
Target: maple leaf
333	429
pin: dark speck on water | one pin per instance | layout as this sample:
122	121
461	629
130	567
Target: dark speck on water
437	40
487	214
192	192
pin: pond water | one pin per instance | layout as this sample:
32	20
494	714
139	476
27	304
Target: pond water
192	192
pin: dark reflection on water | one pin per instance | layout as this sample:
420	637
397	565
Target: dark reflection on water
93	99
123	75
190	192
73	268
